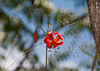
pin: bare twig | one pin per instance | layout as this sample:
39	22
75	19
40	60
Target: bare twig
93	64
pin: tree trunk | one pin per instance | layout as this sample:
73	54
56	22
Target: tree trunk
94	13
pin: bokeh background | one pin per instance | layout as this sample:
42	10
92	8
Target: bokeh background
70	19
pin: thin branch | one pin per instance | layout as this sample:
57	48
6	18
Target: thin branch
93	64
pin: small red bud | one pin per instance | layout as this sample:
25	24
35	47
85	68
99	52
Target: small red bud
35	36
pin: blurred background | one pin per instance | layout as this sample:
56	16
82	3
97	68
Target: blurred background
70	19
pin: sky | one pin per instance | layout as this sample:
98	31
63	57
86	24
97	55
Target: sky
72	62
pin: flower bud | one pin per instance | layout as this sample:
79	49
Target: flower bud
35	36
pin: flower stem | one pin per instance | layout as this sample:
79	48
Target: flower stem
46	50
46	60
40	28
46	47
47	28
52	25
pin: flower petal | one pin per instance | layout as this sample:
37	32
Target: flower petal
55	33
56	44
49	46
57	38
60	43
47	40
50	35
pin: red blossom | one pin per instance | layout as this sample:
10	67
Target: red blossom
49	40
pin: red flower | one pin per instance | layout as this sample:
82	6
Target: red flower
49	40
